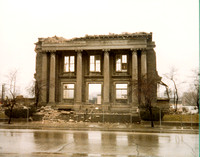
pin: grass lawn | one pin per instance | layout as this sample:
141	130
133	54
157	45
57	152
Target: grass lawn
185	118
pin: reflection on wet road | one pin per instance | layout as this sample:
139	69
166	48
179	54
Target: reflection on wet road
34	143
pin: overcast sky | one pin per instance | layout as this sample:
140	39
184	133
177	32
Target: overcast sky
174	23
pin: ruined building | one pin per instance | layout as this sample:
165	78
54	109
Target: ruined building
94	70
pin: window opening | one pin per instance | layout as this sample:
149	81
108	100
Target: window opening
95	63
121	91
95	93
121	63
69	63
68	91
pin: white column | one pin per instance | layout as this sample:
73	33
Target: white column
143	74
134	78
52	78
43	82
134	65
143	64
106	80
79	78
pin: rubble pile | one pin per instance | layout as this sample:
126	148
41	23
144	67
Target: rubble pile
69	115
49	114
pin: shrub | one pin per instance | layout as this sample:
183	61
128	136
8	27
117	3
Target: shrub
145	114
20	112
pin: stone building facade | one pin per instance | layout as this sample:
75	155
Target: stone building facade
94	70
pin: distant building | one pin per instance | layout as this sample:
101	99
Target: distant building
94	70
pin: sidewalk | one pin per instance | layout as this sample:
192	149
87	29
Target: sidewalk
88	126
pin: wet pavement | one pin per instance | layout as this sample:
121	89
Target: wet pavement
41	143
87	126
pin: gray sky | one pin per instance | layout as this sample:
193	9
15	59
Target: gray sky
174	23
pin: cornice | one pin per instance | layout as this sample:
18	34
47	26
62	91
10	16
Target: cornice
112	36
112	41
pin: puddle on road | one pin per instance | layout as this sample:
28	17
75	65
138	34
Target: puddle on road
85	143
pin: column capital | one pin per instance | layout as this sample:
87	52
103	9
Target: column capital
134	50
79	51
43	52
49	51
106	50
53	53
143	52
38	51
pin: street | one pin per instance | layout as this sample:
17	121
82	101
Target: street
35	143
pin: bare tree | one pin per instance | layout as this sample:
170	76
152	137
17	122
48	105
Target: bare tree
35	90
191	97
147	93
12	92
172	77
196	86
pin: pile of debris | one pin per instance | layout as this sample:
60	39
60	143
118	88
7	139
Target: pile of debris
48	114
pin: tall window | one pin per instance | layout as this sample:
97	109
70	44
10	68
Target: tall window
121	63
69	64
95	63
121	91
94	93
68	91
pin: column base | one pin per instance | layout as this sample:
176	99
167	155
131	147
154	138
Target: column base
77	106
42	104
53	104
106	106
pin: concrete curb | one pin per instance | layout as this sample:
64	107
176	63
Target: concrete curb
139	128
163	123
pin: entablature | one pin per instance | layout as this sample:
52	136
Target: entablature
124	41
